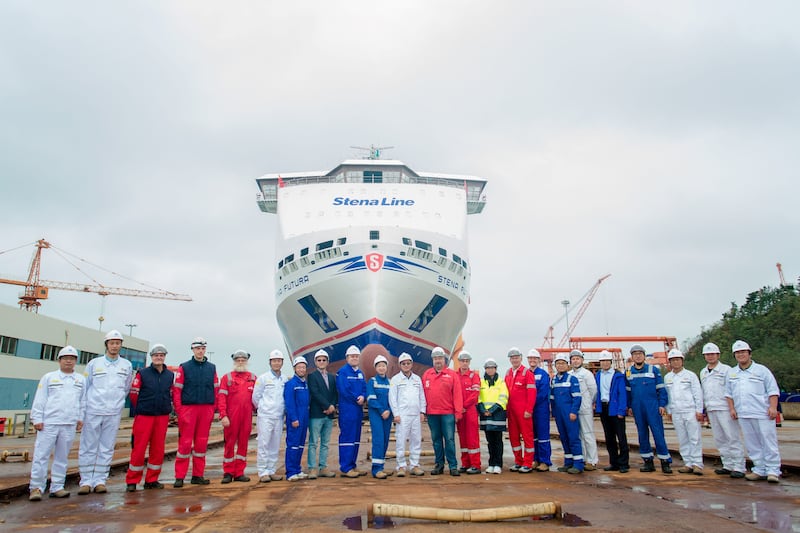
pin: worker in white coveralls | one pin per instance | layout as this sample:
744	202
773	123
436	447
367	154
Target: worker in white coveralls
586	413
727	435
752	394
686	408
57	411
108	382
268	399
407	402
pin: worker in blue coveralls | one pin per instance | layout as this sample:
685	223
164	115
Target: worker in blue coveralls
296	399
380	417
647	402
352	396
565	399
541	413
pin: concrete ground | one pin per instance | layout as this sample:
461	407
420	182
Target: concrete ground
598	500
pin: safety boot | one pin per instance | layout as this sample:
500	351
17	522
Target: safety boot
84	490
227	478
36	495
648	466
665	467
100	489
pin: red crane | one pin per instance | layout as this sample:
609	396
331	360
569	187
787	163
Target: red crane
585	300
38	289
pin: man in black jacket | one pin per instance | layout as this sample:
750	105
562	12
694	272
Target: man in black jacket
323	400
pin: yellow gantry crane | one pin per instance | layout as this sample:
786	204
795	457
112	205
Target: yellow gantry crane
38	289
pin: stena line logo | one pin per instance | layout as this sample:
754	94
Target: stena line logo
374	262
386	202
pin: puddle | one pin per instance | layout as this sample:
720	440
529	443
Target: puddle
571	520
197	507
353	523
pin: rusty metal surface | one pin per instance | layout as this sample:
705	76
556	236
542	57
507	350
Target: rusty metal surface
595	500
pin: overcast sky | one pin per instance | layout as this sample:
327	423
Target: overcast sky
657	142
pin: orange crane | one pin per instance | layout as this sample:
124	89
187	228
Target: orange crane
38	289
586	299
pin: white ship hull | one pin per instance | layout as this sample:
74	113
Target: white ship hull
370	263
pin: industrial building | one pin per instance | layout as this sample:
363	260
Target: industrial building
29	344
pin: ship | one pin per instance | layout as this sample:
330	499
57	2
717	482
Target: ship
374	254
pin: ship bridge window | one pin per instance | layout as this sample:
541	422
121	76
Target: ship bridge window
304	252
289	258
428	313
420	254
317	313
341	241
280	263
406	241
324	245
374	235
442	252
328	254
424	245
457	258
373	176
8	345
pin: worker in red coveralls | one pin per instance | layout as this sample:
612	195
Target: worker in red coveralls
195	397
235	406
468	435
151	403
521	385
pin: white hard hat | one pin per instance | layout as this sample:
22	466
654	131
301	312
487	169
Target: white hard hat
710	348
514	351
198	342
438	352
299	359
404	357
464	356
637	348
740	345
561	357
276	354
240	353
322	353
353	350
67	350
158	348
380	359
605	355
534	353
113	335
577	353
675	353
490	363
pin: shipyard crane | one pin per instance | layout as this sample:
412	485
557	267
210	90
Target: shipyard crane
38	289
780	274
584	302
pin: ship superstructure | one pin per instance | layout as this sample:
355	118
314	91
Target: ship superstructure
371	253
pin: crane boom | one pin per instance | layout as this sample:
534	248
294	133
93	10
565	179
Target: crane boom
38	289
587	299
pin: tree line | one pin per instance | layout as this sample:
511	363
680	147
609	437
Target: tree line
769	320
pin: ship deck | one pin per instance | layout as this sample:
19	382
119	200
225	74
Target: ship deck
599	500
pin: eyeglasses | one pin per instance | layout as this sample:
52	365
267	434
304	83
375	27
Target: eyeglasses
320	359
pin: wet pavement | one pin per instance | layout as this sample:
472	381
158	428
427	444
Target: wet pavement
596	500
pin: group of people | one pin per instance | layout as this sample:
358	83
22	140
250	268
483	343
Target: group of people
740	401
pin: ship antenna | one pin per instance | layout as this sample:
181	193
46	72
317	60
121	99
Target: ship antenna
373	152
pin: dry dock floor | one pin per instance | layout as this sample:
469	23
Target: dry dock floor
598	501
